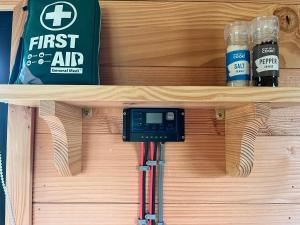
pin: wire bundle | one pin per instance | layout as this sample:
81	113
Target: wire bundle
148	163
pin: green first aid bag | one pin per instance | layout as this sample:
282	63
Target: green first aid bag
60	43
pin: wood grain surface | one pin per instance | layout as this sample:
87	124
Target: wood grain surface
109	121
196	168
176	34
19	172
19	18
180	33
173	43
282	122
180	76
65	124
149	96
242	126
176	214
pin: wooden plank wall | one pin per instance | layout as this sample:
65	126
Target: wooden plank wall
182	43
173	43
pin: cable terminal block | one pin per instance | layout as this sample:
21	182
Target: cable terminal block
155	163
150	217
143	168
142	222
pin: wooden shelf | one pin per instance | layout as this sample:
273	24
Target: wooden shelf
247	110
180	96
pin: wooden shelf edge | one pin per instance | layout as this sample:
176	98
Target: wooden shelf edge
247	111
10	5
183	96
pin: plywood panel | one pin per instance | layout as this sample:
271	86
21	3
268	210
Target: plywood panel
195	168
196	214
179	33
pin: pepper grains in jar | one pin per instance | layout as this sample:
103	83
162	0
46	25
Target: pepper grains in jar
265	53
237	53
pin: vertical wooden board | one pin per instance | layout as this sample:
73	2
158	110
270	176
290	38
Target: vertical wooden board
19	18
20	140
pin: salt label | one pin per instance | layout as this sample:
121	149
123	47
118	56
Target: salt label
237	65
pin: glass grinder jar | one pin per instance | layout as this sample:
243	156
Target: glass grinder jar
237	53
265	52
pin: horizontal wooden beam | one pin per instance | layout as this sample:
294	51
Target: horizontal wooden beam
155	96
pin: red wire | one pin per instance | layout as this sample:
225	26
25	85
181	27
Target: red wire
151	181
141	180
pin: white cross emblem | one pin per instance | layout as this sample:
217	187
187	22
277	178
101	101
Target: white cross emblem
58	12
58	15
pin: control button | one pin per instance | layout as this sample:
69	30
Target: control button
170	116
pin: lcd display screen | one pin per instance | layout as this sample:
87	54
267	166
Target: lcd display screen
154	118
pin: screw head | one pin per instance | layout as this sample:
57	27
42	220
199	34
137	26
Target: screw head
87	112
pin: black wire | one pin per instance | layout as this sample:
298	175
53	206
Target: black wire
154	180
146	150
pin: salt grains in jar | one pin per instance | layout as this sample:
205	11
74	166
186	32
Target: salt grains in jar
237	53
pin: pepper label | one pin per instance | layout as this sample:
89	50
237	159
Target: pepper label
265	60
237	65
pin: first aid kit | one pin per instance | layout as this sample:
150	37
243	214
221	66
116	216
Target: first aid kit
60	43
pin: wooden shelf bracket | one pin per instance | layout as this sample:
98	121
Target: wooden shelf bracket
65	123
242	125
